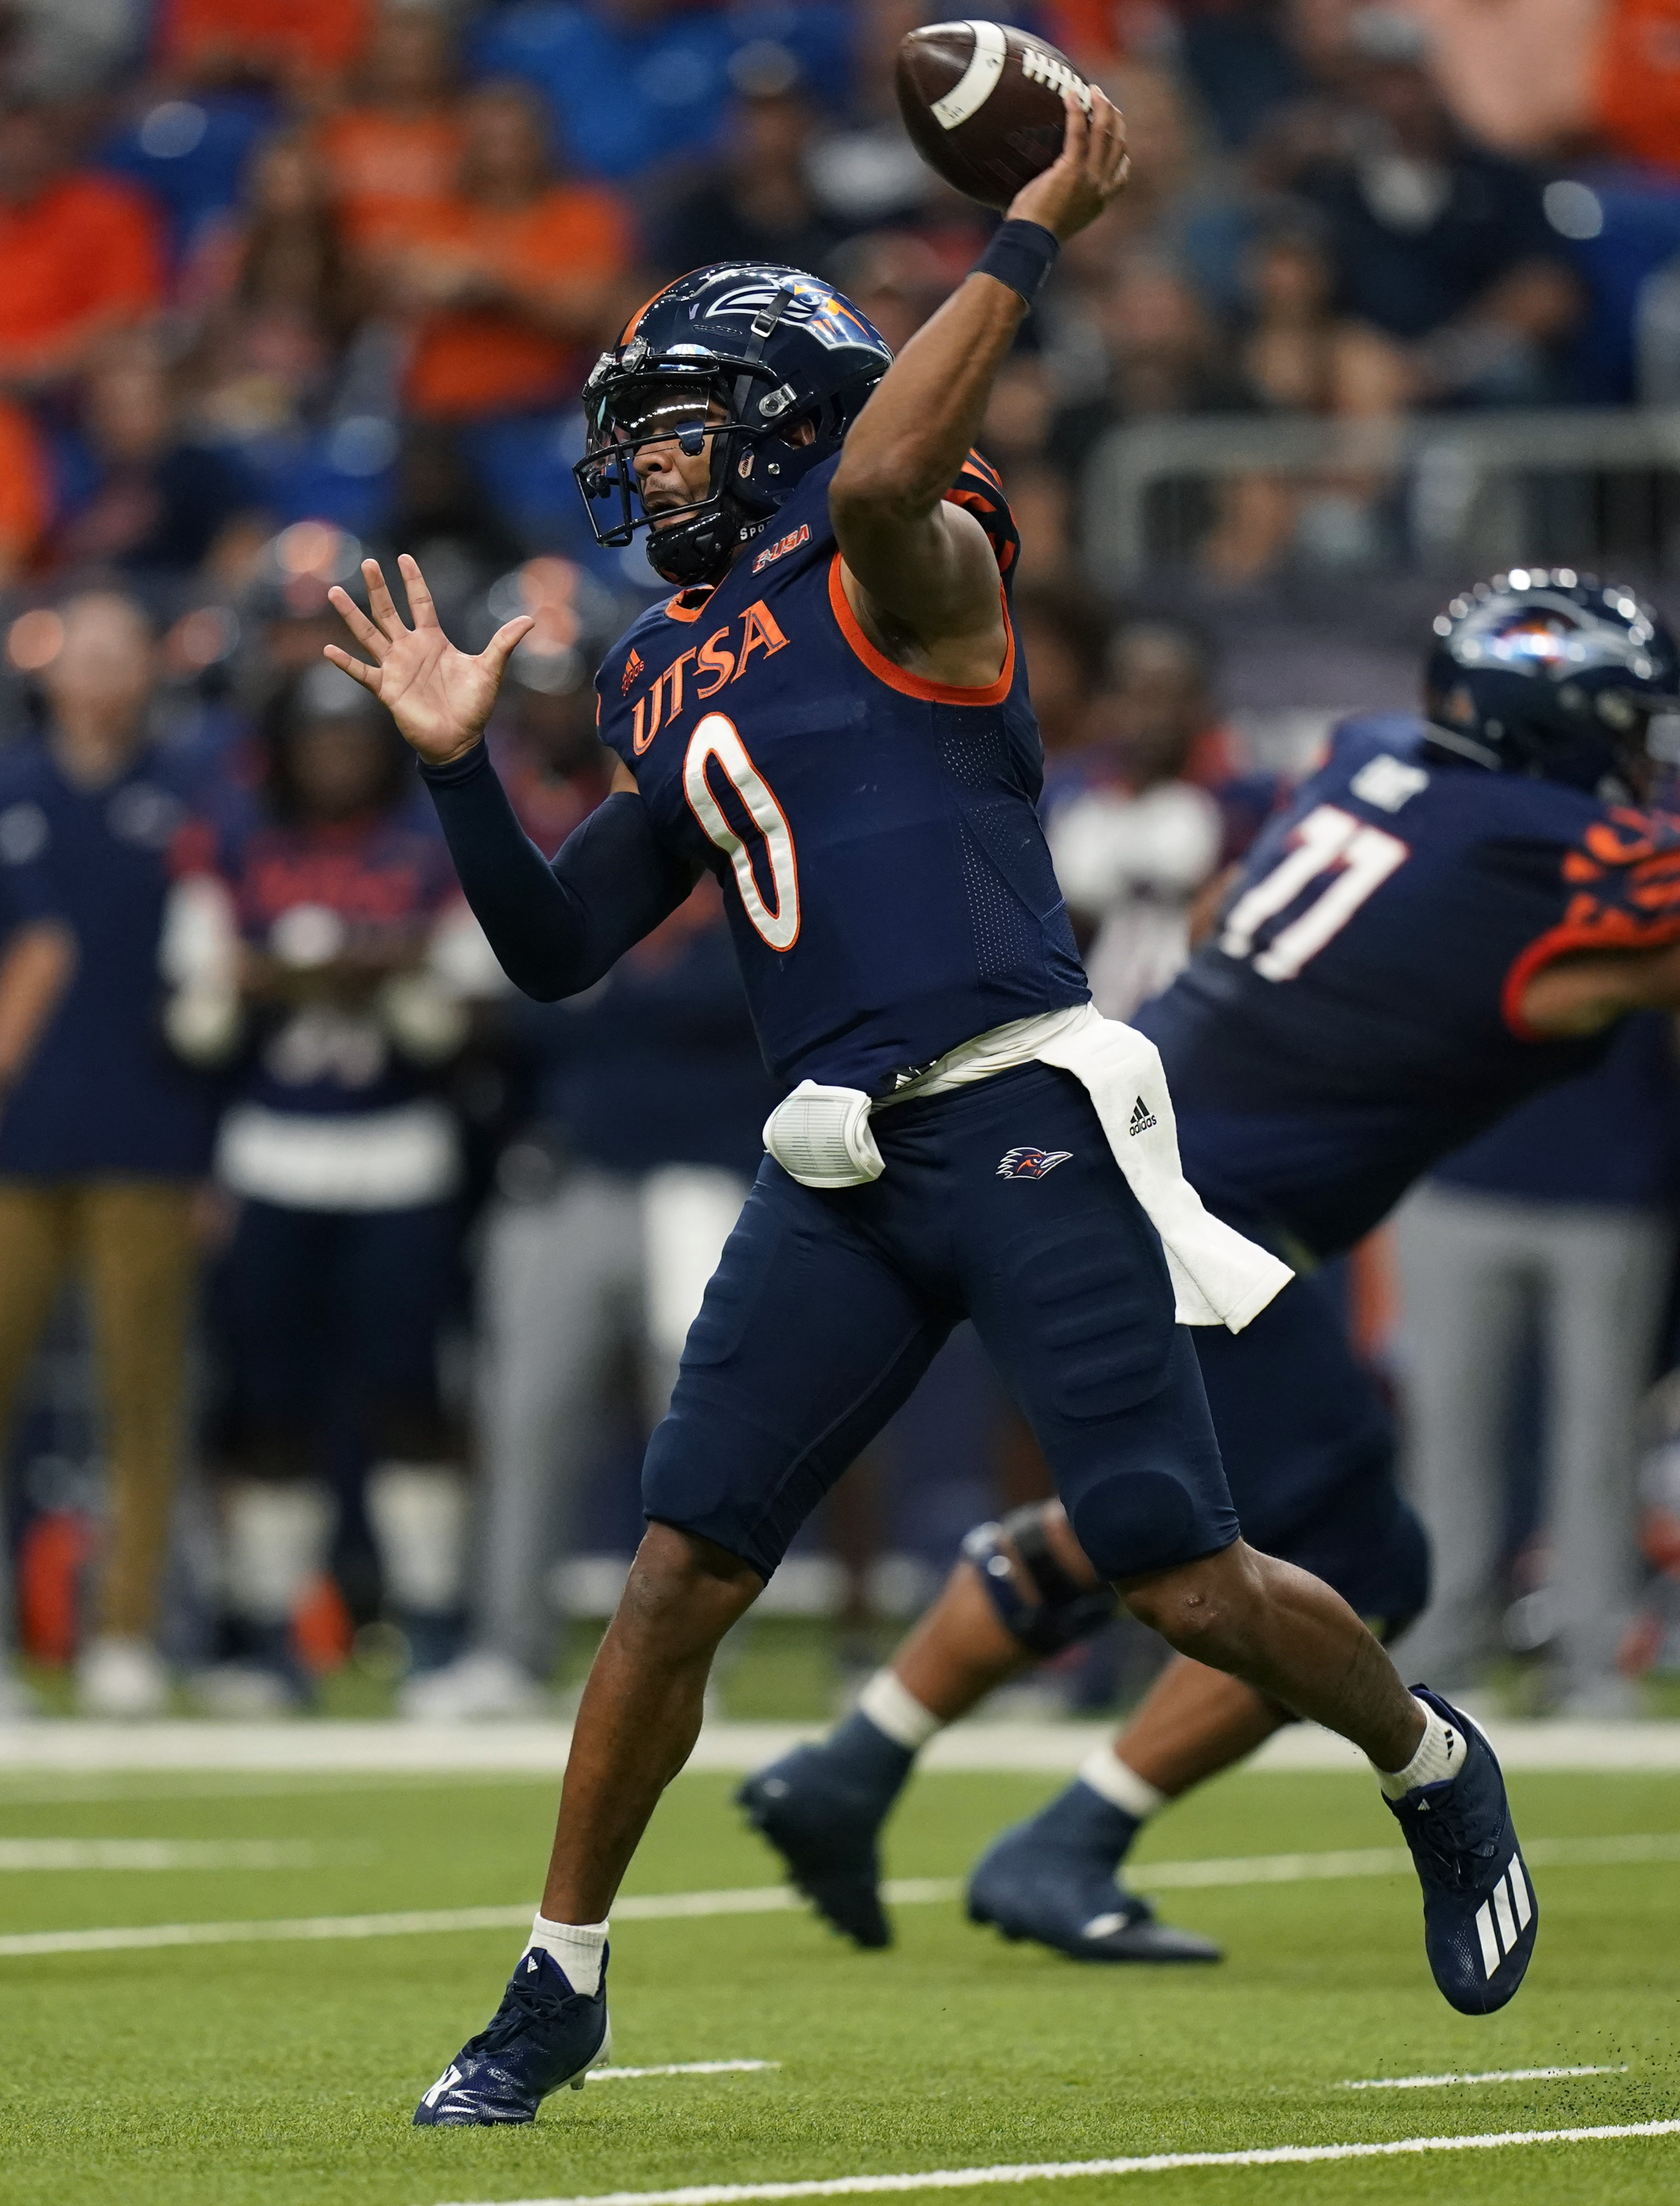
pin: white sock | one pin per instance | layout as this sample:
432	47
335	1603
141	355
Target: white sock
1120	1786
577	1947
897	1712
1440	1753
276	1533
418	1512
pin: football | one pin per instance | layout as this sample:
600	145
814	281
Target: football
982	103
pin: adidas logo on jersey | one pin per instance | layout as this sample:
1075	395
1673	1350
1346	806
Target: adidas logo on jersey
1027	1163
633	671
1143	1118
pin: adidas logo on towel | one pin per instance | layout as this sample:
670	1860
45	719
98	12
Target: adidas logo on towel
1501	1919
1142	1117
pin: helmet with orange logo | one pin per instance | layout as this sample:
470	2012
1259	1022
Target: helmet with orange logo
1548	672
741	353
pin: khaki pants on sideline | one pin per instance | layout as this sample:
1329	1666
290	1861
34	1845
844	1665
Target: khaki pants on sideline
131	1240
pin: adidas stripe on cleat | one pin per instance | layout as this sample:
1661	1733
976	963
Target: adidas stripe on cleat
1501	1919
544	2036
1481	1915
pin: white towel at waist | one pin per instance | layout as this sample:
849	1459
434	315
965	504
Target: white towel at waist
822	1137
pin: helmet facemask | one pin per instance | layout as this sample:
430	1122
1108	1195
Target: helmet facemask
630	404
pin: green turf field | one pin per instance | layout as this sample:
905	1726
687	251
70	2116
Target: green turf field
284	2074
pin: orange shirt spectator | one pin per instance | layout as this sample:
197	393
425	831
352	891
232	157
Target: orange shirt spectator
513	279
80	255
402	142
381	165
1638	80
276	38
25	491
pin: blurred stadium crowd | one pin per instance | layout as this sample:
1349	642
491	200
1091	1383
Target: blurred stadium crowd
338	1284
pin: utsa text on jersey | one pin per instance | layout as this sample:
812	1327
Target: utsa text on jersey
714	662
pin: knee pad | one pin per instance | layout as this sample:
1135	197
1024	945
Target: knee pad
1051	1610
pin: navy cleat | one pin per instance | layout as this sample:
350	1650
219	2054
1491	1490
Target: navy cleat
542	2035
1480	1914
824	1817
1048	1880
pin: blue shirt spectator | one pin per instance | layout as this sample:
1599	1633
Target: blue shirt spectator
631	91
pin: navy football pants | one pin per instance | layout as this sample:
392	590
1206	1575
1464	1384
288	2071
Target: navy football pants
828	1306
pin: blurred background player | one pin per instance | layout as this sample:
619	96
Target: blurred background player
1377	988
311	946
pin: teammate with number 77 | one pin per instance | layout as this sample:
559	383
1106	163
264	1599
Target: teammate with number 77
831	714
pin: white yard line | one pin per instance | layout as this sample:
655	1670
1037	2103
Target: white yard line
28	1854
63	1745
965	2178
782	1899
1486	2076
680	2068
1387	1861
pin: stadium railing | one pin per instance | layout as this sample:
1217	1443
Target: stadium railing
1451	491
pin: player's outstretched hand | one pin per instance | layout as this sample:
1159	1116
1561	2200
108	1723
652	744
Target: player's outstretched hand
439	697
1091	170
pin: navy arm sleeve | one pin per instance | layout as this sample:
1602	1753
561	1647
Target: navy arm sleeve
556	928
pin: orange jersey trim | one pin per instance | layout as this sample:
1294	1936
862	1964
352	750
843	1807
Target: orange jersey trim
676	610
916	685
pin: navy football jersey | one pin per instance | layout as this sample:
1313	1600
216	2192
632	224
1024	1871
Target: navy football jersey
887	881
1356	1018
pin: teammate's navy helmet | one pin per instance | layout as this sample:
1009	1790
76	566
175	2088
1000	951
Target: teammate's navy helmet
744	352
1548	672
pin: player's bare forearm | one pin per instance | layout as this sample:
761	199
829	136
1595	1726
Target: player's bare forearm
1582	995
920	562
907	446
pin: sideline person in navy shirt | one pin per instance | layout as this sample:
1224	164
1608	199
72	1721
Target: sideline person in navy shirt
104	1137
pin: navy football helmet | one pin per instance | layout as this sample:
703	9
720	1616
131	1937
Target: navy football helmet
1548	672
742	352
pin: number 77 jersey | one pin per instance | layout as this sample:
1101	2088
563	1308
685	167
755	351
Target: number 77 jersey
889	889
1357	1015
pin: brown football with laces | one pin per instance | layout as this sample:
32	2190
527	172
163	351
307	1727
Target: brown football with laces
982	103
